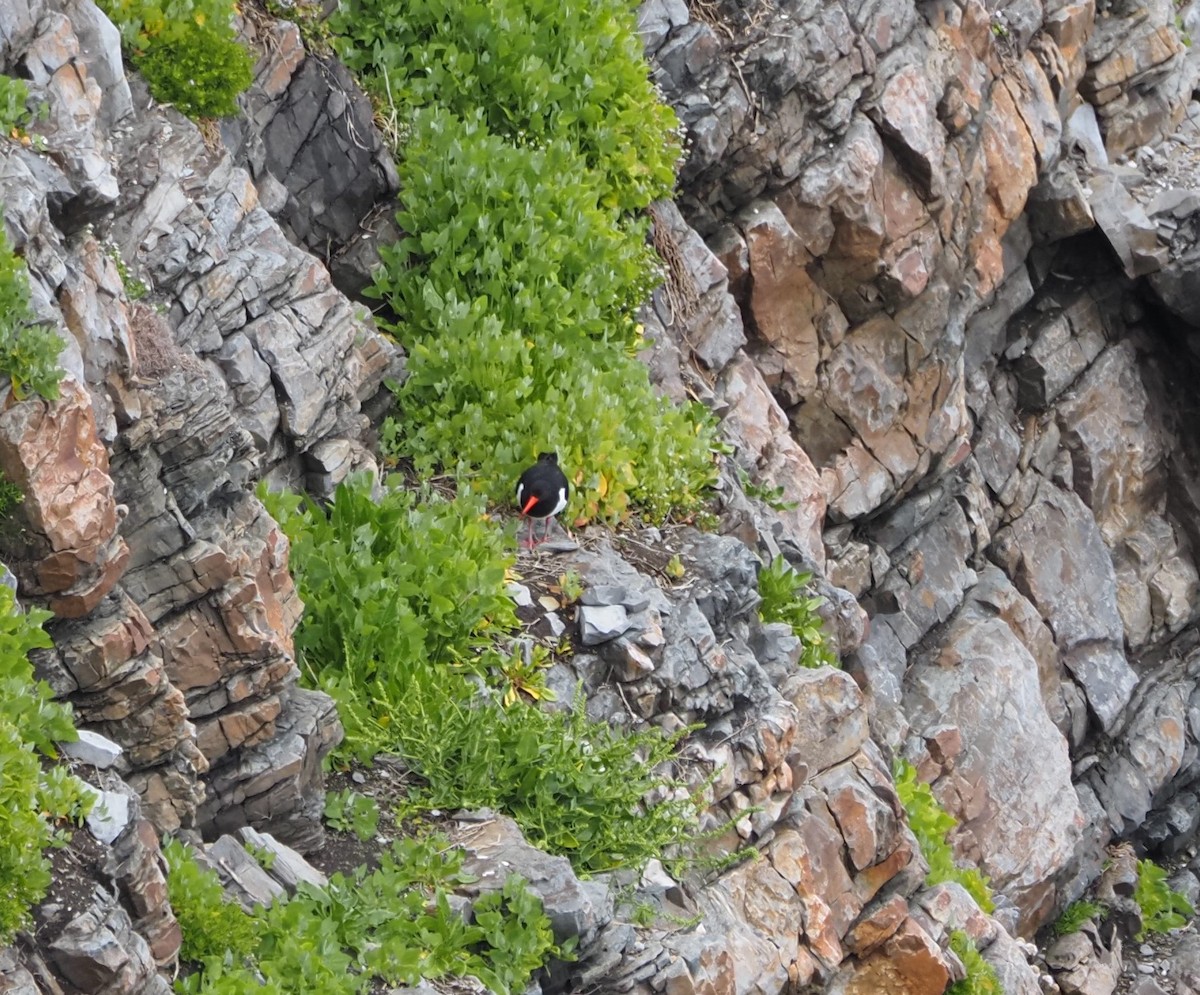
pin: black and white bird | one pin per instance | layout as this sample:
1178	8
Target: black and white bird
542	493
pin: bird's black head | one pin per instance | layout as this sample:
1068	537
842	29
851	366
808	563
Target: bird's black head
548	458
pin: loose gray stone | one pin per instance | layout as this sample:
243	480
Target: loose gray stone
287	867
92	748
109	815
600	623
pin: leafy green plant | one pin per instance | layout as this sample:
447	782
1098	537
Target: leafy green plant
135	289
395	924
784	599
14	111
187	50
348	811
520	339
770	496
403	599
264	856
515	293
981	977
32	800
212	927
1163	909
534	71
930	824
28	351
1076	914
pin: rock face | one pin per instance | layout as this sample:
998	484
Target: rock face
939	273
170	586
934	314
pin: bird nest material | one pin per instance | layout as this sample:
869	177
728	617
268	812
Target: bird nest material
678	284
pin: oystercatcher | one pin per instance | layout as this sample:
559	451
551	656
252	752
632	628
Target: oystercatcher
542	492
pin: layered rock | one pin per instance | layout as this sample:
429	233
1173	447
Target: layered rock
170	585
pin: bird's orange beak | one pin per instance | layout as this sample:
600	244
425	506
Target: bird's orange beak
528	505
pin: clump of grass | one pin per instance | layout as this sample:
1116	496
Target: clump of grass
785	598
1076	914
405	600
930	824
187	50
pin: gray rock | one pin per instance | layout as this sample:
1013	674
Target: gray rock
615	594
1024	821
109	815
100	48
495	849
1082	965
242	875
308	124
98	951
600	623
1056	557
834	714
520	594
287	866
92	748
1132	235
927	578
1060	347
1184	966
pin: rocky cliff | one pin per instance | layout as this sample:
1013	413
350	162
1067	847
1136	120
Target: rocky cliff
934	267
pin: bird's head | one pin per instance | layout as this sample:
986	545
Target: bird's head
548	458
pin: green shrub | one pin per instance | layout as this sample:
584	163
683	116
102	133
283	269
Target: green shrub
1162	908
1076	914
981	977
534	71
348	811
212	927
31	799
394	923
930	823
403	600
14	110
785	599
516	291
28	351
516	298
187	50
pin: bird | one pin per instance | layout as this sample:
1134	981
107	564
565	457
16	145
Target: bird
542	491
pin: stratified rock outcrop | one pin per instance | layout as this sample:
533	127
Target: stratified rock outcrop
935	313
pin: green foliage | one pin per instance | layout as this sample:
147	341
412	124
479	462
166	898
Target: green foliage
28	351
187	50
1076	914
517	296
213	928
135	289
395	591
516	291
31	799
14	112
395	923
264	856
403	601
533	71
1162	908
784	599
981	977
930	823
770	496
348	811
11	496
